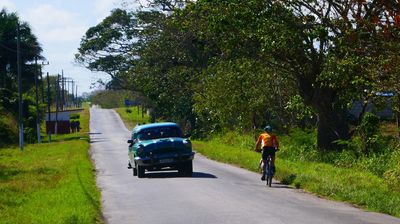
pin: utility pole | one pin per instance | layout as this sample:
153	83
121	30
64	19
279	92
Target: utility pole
66	93
42	82
20	115
62	90
76	96
37	102
68	96
48	107
41	78
57	101
73	96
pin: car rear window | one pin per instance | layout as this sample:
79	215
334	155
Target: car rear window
160	132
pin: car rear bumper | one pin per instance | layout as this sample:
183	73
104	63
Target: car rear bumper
164	160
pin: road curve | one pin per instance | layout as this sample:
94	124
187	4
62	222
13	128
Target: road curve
217	193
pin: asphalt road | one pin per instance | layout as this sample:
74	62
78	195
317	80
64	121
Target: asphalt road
217	193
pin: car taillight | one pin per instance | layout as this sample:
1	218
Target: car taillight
187	143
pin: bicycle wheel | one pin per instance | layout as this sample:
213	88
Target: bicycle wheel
269	180
269	173
266	171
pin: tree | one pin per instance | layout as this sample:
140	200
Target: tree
155	53
30	49
166	72
346	39
111	46
327	47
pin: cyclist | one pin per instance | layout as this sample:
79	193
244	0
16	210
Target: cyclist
268	142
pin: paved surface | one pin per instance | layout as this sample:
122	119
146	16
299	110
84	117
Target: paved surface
217	193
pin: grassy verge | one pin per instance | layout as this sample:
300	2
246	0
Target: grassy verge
50	182
357	187
133	117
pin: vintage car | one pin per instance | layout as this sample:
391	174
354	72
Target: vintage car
160	146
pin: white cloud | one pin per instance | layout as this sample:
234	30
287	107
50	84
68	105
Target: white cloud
10	6
51	24
103	7
63	34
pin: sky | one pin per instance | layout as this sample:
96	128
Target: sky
59	26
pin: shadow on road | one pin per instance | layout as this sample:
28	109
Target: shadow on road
280	185
94	133
95	140
177	175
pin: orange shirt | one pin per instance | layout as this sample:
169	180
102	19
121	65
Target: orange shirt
268	140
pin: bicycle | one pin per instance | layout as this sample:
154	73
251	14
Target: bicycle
269	173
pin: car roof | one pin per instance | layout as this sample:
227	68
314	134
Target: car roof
154	125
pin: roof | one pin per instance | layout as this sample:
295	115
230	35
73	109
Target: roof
68	110
154	125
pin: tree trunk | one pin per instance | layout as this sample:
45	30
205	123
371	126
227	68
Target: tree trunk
332	123
332	126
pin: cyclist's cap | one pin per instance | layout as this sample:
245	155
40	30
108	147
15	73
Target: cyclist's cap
268	128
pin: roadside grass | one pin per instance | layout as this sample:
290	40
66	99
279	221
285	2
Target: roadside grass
360	188
50	182
132	118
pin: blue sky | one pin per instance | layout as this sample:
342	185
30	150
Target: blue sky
59	26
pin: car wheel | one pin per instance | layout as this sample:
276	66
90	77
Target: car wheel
135	171
186	169
140	171
189	169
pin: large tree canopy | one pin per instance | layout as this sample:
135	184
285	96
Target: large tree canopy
244	63
330	48
30	50
111	46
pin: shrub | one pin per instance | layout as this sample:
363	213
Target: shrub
74	116
232	138
369	134
392	175
8	129
299	145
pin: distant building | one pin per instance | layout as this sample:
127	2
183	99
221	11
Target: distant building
386	113
63	121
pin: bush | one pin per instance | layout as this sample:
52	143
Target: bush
8	130
232	138
299	145
74	116
392	175
369	134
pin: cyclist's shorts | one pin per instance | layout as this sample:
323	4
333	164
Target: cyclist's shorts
267	151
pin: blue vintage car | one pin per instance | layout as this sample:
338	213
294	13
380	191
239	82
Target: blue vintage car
160	146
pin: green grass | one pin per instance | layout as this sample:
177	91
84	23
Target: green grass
133	118
50	182
357	187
